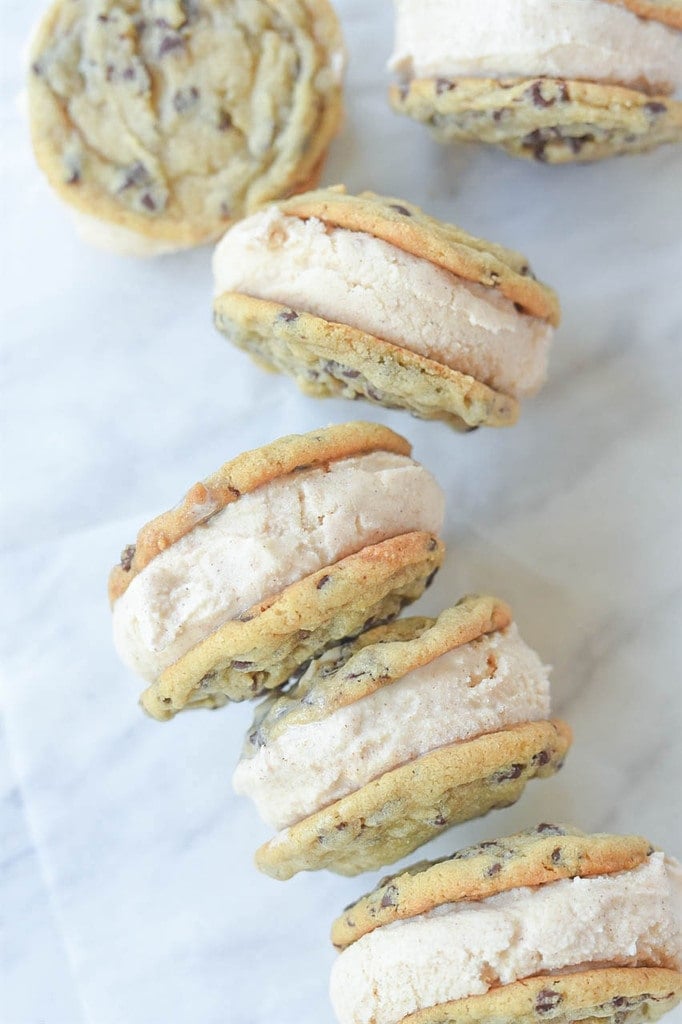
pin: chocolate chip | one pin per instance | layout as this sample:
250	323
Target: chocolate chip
575	143
128	74
430	578
444	85
74	175
241	666
655	107
541	100
148	202
498	115
103	17
288	315
134	175
127	556
542	758
170	43
619	1001
322	582
493	870
256	739
390	897
550	830
36	68
556	855
350	374
547	1000
224	121
538	98
400	209
518	307
537	142
512	772
185	99
166	700
432	545
339	828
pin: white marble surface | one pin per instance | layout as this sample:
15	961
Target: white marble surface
127	892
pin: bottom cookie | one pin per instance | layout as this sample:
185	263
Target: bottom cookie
623	995
404	808
545	119
331	359
273	640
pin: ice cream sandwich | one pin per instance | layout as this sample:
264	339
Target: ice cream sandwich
368	297
547	925
388	740
551	80
281	553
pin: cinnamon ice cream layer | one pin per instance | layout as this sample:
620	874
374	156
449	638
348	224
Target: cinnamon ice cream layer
480	687
353	278
581	39
261	543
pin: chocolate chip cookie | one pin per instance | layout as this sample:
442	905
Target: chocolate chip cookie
161	121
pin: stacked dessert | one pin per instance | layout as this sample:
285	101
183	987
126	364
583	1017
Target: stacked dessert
281	553
547	925
551	80
368	297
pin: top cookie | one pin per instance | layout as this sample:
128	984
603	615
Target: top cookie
245	474
544	854
408	228
377	658
170	118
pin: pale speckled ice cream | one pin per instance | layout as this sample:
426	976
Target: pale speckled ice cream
631	918
479	687
261	543
353	278
580	39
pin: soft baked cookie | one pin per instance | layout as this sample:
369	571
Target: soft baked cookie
161	121
552	80
547	925
281	553
390	739
367	296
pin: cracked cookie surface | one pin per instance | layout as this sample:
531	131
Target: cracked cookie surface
544	119
539	855
402	809
171	118
330	360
